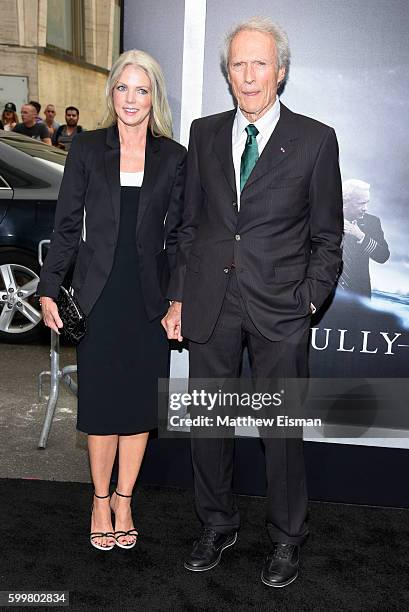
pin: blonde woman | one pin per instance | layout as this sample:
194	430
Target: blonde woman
121	200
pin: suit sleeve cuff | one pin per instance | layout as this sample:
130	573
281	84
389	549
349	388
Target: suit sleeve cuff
47	290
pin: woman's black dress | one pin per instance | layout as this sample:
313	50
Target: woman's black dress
122	354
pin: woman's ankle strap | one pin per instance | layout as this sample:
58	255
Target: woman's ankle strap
101	496
121	494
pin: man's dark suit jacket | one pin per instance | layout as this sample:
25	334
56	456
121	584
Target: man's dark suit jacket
284	242
355	270
89	199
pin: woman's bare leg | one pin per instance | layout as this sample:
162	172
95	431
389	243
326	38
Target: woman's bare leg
131	452
102	452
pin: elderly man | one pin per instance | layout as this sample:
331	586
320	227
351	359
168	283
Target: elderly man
29	126
259	251
363	239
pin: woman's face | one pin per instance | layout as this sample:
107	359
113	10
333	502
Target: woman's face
8	115
132	97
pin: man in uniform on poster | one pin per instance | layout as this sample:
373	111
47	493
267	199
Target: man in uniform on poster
259	251
364	239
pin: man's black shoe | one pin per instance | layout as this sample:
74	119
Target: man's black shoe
281	565
207	550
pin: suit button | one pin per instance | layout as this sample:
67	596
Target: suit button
237	236
226	270
234	203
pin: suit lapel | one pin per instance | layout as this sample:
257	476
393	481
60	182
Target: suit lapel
223	149
112	168
278	148
112	159
152	161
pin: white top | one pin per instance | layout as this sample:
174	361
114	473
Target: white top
131	179
265	125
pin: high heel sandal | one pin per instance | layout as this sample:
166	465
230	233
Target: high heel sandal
121	534
101	534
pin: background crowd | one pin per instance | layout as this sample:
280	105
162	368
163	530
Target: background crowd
46	128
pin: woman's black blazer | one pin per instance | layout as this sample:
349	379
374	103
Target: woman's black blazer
87	219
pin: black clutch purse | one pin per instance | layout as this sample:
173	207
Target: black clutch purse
74	320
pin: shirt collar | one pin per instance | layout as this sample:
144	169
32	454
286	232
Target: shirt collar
262	124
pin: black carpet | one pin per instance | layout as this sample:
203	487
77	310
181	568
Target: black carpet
357	558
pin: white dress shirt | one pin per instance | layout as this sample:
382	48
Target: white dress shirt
265	125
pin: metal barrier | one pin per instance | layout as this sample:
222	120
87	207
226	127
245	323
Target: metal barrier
56	374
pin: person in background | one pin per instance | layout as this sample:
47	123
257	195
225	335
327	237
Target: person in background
9	117
64	135
363	239
121	201
49	119
37	106
29	127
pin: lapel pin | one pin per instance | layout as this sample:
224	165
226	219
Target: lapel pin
282	150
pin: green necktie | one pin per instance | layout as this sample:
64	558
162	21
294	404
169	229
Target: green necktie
250	155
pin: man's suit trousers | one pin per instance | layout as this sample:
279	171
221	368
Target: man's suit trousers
213	458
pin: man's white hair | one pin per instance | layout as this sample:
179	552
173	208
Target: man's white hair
354	190
267	26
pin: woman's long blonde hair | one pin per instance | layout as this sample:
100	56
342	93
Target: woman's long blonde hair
160	121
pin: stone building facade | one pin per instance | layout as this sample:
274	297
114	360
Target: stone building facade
63	50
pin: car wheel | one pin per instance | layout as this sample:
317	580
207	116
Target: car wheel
20	312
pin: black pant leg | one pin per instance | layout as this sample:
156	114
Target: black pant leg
213	458
287	499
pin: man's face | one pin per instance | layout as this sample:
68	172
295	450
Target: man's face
71	118
252	72
49	113
355	209
28	114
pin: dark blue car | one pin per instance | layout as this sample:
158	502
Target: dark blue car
30	177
